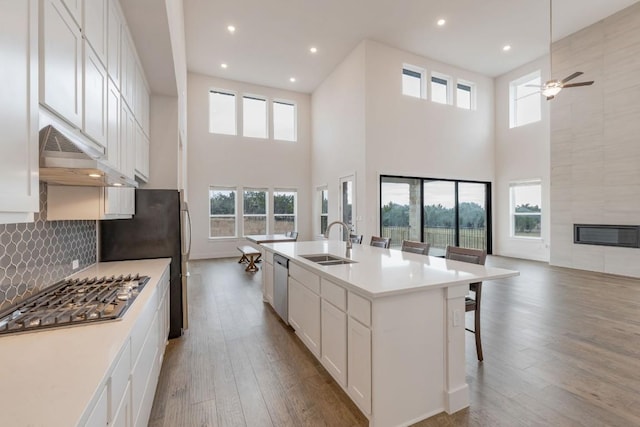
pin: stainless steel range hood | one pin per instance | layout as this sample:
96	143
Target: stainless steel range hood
67	157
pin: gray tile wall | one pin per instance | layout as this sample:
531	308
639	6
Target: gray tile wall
36	255
595	154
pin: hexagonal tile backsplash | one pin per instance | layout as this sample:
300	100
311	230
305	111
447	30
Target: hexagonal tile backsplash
38	254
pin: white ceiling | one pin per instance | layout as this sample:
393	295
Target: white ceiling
273	37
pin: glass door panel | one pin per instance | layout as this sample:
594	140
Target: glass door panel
400	210
348	202
439	215
472	216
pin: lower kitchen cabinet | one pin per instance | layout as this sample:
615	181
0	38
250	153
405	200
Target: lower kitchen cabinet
304	314
267	271
359	364
334	342
126	398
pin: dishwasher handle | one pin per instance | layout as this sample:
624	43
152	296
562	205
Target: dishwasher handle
283	261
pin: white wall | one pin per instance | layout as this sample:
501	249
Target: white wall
338	106
408	136
595	154
522	153
163	143
237	161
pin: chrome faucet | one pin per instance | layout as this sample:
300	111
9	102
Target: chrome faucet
347	228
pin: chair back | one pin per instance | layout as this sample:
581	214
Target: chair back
380	242
293	234
473	256
355	238
415	247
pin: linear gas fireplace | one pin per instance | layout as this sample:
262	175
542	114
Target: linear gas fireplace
626	236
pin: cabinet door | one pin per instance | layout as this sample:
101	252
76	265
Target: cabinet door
95	97
296	311
99	414
19	107
113	126
142	154
127	69
359	364
267	277
127	141
334	342
311	322
114	35
75	9
95	27
61	62
123	413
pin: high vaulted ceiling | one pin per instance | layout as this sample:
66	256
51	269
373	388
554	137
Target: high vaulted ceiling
272	38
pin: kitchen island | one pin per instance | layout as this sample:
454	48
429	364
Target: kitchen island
387	325
92	374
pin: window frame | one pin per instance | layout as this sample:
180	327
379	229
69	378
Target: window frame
321	191
266	209
234	216
447	83
295	207
418	73
254	97
295	119
513	185
235	110
529	78
472	94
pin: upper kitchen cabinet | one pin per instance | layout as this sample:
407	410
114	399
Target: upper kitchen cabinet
114	35
61	61
95	97
95	27
127	70
75	8
18	110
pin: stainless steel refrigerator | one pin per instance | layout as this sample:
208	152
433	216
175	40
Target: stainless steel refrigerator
160	228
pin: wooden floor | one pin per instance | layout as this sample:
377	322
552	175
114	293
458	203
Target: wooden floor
561	348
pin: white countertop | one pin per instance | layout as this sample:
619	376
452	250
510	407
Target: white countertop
50	377
381	272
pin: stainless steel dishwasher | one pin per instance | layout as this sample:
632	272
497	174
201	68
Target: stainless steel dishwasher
281	286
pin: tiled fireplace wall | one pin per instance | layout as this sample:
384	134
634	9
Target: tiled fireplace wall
38	254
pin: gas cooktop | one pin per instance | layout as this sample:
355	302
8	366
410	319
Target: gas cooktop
73	302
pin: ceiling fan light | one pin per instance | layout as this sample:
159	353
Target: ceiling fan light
551	88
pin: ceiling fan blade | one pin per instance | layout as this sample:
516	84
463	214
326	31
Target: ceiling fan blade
578	84
572	76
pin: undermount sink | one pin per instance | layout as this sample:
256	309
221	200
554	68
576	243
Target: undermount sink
327	259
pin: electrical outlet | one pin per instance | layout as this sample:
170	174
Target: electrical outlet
75	264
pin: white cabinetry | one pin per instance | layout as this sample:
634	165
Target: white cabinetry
359	364
267	274
18	110
114	35
304	306
334	342
95	97
142	155
126	397
75	8
95	27
61	61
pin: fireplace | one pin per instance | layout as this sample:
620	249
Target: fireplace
626	236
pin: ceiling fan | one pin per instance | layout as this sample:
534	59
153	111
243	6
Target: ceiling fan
552	87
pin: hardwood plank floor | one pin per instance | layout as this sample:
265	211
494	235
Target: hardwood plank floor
561	347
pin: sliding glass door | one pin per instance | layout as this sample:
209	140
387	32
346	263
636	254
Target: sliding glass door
440	212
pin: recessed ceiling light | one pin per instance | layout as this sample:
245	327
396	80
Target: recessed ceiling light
292	79
117	184
506	47
313	49
441	22
231	29
223	65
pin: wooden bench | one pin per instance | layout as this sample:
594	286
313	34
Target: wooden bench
250	255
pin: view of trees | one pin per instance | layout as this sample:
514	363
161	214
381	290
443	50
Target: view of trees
472	215
222	202
527	225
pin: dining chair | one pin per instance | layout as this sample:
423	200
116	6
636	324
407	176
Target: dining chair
474	256
381	242
415	247
356	238
293	234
